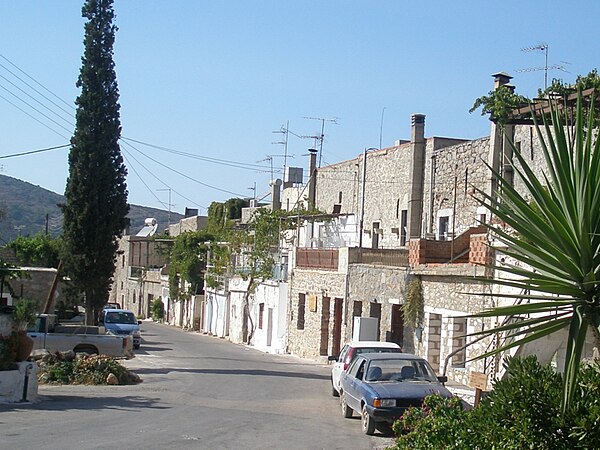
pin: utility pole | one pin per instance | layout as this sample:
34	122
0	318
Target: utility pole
169	213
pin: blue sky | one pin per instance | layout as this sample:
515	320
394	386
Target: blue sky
214	79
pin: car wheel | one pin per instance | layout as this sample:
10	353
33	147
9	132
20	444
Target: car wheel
334	391
367	422
346	410
137	347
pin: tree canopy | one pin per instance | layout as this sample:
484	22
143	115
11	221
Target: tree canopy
96	192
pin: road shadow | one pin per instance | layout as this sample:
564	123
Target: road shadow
61	402
244	372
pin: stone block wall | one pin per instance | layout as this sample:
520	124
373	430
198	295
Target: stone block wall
386	191
383	285
314	285
451	173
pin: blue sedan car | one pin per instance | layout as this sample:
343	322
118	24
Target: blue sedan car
381	386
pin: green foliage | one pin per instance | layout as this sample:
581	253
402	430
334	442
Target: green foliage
522	412
40	250
8	350
84	369
582	83
440	423
414	303
24	313
188	263
157	310
555	237
220	215
96	193
499	104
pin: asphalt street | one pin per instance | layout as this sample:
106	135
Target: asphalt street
198	392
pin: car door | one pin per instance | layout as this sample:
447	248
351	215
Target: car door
352	386
338	366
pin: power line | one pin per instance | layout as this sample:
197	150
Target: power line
188	177
35	151
161	181
224	162
33	117
35	109
36	82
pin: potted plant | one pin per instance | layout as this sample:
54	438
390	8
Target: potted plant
24	314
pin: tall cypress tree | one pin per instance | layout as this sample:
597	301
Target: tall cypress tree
96	193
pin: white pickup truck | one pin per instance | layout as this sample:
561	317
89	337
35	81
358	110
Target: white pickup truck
48	334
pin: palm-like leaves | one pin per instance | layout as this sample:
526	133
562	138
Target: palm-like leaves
556	237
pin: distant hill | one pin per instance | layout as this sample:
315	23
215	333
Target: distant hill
28	209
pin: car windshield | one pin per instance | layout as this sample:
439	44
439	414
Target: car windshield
400	370
360	350
120	317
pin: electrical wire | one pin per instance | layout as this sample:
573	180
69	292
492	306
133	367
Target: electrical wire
224	162
159	180
187	176
35	151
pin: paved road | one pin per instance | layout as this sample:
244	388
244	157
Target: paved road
198	392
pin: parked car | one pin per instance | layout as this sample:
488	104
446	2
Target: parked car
47	333
122	322
381	386
350	351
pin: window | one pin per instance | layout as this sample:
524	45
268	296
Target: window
403	226
261	311
459	340
301	308
443	227
340	197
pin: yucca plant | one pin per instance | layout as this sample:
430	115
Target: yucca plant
555	233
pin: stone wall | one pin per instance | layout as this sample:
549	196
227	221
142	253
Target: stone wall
449	296
314	285
451	174
386	191
376	284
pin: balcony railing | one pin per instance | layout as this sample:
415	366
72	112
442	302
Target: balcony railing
317	258
384	257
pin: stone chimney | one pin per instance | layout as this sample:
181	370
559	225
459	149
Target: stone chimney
500	151
275	194
312	181
417	166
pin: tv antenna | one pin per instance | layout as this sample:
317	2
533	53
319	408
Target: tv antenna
270	159
320	138
542	47
285	131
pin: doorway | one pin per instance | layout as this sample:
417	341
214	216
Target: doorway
397	327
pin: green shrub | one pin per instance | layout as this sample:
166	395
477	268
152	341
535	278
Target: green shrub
440	423
523	411
84	369
158	310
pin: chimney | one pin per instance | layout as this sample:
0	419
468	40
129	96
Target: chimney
417	169
275	194
312	181
500	79
500	149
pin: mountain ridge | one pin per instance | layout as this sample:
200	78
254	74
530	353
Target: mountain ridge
27	209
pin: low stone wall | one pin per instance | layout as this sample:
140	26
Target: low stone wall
12	383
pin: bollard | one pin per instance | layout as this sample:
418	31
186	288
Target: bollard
26	382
